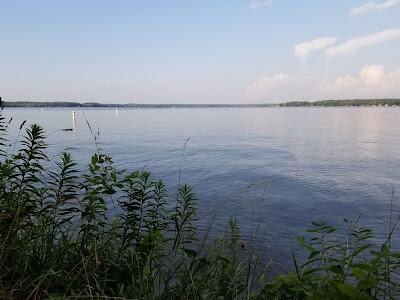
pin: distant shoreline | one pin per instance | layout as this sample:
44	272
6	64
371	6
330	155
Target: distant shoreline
129	105
321	103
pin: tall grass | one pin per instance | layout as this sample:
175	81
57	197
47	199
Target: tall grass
112	234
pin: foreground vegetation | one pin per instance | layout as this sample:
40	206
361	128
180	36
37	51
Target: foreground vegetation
111	234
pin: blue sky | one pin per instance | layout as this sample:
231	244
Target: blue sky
235	51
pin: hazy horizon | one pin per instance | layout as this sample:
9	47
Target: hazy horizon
180	52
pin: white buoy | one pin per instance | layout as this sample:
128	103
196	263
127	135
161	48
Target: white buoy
73	120
41	111
116	111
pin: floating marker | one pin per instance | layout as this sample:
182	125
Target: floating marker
73	120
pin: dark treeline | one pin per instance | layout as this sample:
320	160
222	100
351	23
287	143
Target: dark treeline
129	105
355	102
40	104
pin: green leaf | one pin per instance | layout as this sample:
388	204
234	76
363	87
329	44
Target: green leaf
360	249
189	252
347	289
337	269
331	230
359	274
313	254
365	266
368	283
306	245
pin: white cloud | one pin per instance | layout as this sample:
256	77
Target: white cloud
352	45
260	3
303	50
372	7
372	81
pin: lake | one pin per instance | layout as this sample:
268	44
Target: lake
281	167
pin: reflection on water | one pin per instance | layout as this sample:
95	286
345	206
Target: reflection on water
369	129
306	163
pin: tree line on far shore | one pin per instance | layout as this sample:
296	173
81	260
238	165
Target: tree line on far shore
353	102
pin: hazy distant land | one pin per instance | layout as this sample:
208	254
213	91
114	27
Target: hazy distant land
354	102
129	105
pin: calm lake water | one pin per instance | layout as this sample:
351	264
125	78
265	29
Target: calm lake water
295	165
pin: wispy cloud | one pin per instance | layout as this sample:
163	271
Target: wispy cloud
372	7
303	50
259	3
278	88
352	45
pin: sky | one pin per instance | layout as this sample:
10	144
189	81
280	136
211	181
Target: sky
208	51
